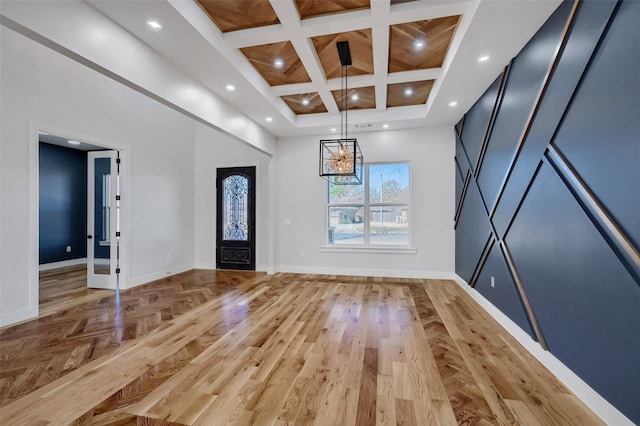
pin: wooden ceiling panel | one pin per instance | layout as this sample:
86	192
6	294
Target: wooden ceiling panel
401	1
359	45
264	58
410	93
233	15
435	35
306	103
313	8
366	98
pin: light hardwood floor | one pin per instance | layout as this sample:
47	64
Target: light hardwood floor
225	347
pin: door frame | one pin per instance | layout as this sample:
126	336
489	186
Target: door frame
34	204
256	202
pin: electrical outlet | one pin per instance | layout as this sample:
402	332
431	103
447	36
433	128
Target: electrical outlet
493	282
301	253
68	249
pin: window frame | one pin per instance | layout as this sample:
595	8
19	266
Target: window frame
366	246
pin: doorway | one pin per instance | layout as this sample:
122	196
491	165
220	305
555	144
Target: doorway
107	198
236	218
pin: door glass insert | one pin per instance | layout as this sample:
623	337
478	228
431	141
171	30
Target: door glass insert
102	211
234	208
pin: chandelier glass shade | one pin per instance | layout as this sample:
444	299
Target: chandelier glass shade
341	159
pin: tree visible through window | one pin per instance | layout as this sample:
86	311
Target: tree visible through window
373	213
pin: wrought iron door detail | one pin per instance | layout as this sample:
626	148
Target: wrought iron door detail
234	207
239	255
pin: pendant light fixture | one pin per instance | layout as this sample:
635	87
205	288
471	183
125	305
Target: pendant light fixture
341	159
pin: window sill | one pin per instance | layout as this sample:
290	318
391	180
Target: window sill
368	249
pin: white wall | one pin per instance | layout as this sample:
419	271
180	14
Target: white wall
41	86
300	198
214	149
104	45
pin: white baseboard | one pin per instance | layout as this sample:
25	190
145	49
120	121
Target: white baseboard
607	412
134	282
391	273
16	317
62	264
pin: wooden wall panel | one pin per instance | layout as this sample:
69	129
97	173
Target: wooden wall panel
554	173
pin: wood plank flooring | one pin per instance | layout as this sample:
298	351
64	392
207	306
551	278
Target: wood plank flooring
226	347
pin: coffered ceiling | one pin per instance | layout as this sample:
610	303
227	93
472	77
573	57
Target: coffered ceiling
414	62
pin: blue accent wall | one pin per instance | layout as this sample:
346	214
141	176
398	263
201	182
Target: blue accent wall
63	203
548	194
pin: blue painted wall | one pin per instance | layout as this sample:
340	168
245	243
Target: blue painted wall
554	215
63	203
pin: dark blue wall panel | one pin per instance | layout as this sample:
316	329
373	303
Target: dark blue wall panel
504	295
63	203
459	186
461	158
587	304
606	111
523	83
588	25
476	122
472	233
568	201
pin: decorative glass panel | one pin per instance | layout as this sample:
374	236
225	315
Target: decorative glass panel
235	195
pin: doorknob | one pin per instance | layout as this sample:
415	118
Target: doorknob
89	237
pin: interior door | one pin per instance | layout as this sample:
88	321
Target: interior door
103	197
235	222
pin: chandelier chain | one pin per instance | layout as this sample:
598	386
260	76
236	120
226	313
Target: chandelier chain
344	123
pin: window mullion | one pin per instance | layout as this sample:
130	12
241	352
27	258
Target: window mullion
367	213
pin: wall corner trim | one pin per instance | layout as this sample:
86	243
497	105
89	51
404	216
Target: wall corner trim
600	406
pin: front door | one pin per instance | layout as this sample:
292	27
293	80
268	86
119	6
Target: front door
235	222
102	219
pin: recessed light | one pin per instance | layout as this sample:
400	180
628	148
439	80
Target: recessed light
73	142
418	44
333	129
230	88
268	119
408	91
154	24
278	63
385	126
305	101
355	97
453	104
483	58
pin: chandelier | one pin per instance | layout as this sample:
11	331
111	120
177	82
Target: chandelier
341	159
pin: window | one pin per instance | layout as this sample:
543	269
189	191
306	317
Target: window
374	213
